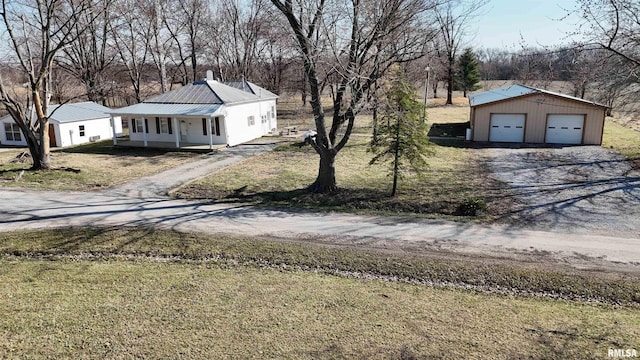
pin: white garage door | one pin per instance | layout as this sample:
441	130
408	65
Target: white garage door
564	129
507	128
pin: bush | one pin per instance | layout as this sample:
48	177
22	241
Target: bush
471	207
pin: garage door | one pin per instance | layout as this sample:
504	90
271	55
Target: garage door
564	129
507	128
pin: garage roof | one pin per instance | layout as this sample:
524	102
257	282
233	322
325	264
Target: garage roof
514	91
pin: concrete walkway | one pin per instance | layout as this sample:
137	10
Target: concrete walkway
158	186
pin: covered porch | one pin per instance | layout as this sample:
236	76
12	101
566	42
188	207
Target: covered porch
185	146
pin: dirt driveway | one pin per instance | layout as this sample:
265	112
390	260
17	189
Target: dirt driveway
577	189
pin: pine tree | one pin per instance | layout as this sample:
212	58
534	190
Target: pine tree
468	74
402	131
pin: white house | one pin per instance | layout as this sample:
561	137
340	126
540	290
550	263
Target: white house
69	124
206	112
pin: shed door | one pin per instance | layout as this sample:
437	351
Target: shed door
564	129
507	128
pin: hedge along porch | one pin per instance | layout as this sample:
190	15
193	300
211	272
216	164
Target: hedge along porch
520	113
206	112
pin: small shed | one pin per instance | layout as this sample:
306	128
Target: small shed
520	113
69	124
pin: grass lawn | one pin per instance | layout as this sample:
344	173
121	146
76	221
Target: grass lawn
279	178
96	293
622	139
101	165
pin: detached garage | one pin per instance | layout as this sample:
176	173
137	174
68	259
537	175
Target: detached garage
520	113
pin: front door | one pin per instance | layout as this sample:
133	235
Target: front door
184	130
52	136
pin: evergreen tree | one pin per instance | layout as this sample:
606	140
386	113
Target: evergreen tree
468	74
402	131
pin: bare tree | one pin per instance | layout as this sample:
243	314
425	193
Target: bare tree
453	18
244	28
612	25
348	45
132	39
186	22
91	55
161	42
38	30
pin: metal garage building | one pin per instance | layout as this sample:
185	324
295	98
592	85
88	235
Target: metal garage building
521	113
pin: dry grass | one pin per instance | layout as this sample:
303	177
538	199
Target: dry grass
279	178
144	309
100	164
134	306
622	139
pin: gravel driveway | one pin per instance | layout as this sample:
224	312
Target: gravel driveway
583	189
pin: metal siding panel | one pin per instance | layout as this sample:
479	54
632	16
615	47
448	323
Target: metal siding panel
537	107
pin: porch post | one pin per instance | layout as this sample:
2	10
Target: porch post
113	130
176	131
210	133
144	131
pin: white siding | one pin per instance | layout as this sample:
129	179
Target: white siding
237	123
68	134
234	125
3	135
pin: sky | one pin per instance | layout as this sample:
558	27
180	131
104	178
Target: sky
504	23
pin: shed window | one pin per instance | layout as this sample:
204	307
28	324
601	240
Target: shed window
81	130
251	120
12	131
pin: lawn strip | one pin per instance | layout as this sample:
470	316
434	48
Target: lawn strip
146	309
96	166
173	246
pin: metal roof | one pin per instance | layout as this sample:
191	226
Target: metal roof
72	112
201	98
514	91
196	93
252	88
170	110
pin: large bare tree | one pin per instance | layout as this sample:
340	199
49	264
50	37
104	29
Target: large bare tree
37	31
612	25
347	46
453	18
90	57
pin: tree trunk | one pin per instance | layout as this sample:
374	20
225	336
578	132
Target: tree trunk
450	83
396	157
326	180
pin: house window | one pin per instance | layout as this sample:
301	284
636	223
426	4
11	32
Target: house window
204	126
136	125
146	125
12	131
251	120
273	112
215	126
264	119
165	127
81	130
